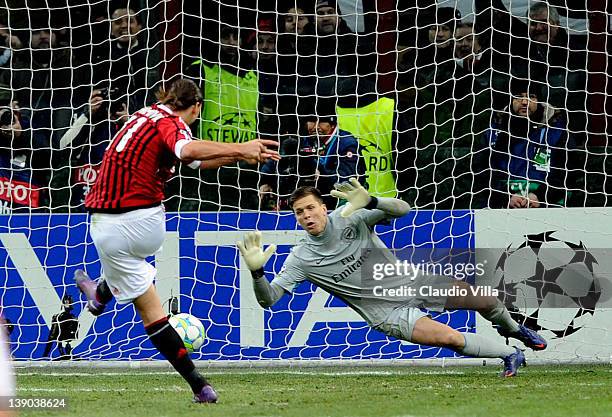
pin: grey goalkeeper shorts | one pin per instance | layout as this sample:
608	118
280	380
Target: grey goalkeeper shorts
400	322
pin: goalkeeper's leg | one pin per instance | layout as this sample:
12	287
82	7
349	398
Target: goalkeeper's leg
489	307
496	312
429	332
168	342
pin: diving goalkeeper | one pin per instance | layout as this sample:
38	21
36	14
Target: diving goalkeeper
332	254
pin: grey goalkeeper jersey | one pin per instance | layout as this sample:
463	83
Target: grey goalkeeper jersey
334	260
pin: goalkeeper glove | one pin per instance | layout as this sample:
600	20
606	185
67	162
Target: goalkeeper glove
356	195
252	252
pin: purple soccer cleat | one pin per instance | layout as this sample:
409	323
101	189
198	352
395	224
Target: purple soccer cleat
206	395
513	362
530	338
88	287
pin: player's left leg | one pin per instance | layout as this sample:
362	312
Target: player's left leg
123	242
430	332
168	343
496	312
98	295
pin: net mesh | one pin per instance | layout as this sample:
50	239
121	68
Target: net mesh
455	106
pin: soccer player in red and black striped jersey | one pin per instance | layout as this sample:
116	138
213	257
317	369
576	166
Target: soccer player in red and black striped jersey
142	155
128	222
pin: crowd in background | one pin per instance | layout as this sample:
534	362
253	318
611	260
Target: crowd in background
487	112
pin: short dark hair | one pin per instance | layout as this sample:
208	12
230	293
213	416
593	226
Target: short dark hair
519	86
226	31
331	119
302	192
132	11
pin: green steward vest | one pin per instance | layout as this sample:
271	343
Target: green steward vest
229	111
372	125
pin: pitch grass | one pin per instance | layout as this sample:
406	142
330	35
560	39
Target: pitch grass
539	391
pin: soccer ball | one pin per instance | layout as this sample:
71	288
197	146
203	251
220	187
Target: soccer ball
549	284
190	329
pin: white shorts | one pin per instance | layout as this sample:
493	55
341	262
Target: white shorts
400	323
7	381
123	242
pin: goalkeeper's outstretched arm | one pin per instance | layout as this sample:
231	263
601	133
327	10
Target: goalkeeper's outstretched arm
267	294
255	257
357	197
393	207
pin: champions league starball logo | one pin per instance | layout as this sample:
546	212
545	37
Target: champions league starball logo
232	127
546	272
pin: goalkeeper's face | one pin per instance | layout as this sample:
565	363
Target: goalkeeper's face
311	214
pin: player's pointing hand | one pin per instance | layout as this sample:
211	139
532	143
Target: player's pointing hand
252	251
258	150
353	192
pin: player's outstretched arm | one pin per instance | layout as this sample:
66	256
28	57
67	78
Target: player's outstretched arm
255	257
358	197
215	154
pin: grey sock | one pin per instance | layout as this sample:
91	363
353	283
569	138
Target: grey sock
500	316
480	347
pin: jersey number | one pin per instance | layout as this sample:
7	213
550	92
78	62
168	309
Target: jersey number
128	134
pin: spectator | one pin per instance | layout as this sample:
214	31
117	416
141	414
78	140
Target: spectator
121	75
440	33
42	81
9	45
265	54
334	157
434	46
230	93
558	60
295	169
124	60
265	58
472	93
337	156
19	191
229	114
434	56
470	57
542	51
449	106
437	89
528	151
89	136
296	65
505	36
337	66
371	118
326	156
11	48
295	21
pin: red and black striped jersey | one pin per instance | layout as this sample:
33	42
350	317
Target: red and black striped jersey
138	161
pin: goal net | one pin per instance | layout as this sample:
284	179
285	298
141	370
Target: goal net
489	119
